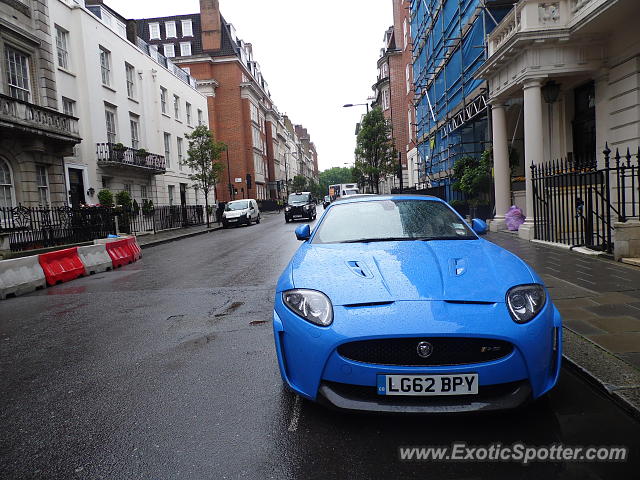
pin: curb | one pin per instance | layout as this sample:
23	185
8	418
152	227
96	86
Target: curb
610	375
155	243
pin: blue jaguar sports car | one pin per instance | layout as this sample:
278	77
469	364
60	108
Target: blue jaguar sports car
393	303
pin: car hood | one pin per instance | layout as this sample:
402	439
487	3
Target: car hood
235	213
451	270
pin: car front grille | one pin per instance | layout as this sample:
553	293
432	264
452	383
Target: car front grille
444	351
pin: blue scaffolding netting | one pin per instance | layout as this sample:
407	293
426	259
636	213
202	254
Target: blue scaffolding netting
448	49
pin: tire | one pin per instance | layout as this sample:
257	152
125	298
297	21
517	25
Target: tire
258	219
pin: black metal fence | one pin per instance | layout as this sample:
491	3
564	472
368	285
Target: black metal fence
31	228
576	202
40	227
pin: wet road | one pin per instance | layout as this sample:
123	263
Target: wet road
166	369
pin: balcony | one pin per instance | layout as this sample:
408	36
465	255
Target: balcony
32	119
112	155
542	16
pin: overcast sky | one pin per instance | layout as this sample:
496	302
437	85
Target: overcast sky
315	55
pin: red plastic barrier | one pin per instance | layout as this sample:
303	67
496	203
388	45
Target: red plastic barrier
135	248
61	265
120	252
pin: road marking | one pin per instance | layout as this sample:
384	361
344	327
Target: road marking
295	414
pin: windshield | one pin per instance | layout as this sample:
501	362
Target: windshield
391	220
238	205
351	192
298	198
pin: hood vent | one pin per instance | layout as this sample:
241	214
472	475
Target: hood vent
367	304
469	302
359	268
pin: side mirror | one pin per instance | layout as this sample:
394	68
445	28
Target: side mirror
303	232
479	226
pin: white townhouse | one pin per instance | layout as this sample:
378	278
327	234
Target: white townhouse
134	106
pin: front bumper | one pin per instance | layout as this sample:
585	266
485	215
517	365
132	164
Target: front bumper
310	365
243	220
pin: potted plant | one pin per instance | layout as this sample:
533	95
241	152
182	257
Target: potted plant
147	208
473	178
105	197
123	199
118	149
141	156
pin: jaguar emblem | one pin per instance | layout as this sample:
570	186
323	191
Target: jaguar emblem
425	349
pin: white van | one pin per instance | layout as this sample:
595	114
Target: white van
240	212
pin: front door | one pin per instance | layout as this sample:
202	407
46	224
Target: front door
183	194
584	125
76	187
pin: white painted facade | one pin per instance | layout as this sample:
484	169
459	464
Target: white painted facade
575	44
133	94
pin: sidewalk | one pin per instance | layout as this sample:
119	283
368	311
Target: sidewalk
166	236
599	300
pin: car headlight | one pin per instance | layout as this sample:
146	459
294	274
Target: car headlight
286	209
311	305
525	302
307	207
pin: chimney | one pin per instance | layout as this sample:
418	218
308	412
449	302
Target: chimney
132	31
211	25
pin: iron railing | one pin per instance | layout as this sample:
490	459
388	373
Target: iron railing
40	227
32	228
44	119
111	154
576	202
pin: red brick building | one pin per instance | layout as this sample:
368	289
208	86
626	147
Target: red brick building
394	90
239	101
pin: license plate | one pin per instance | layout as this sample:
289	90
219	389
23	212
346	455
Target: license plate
458	384
233	220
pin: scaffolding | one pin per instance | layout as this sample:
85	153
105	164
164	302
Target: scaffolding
448	49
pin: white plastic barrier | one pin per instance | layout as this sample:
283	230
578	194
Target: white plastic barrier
20	275
95	258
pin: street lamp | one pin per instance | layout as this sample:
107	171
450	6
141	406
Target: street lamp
356	105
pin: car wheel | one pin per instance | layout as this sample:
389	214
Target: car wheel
258	219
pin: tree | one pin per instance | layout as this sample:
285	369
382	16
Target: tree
473	177
333	176
202	156
375	153
299	183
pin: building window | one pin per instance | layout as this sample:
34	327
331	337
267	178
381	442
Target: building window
163	99
105	66
106	182
110	117
405	32
254	113
169	50
199	117
171	189
257	141
170	29
18	74
179	151
42	178
134	123
154	31
62	42
188	110
126	187
185	49
176	107
187	28
143	192
68	106
385	99
131	80
196	190
407	73
167	148
6	185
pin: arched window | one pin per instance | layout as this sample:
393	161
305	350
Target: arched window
6	185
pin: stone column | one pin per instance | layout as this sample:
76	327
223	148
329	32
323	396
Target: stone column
501	170
533	147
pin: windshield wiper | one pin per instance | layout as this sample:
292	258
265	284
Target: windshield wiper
386	239
450	237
